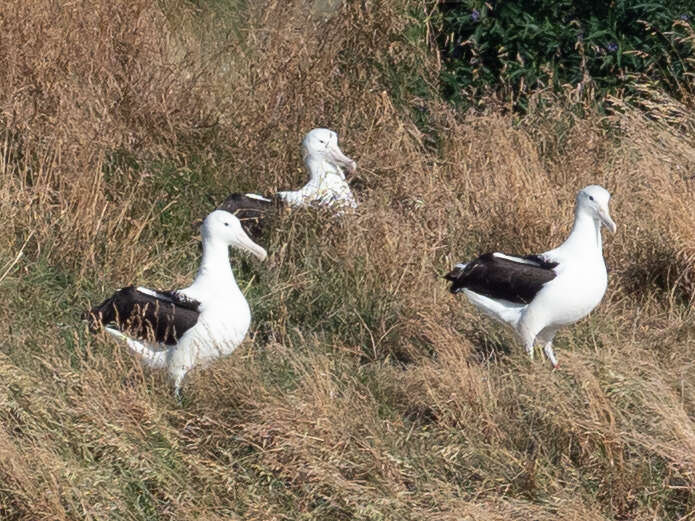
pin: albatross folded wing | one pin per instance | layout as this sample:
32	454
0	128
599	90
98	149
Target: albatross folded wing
162	317
500	276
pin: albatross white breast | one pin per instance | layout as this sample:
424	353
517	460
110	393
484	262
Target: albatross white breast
538	294
178	330
327	184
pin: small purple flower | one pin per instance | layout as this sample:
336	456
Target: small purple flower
684	17
475	15
612	47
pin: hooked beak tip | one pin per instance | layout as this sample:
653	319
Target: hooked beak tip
244	242
609	223
606	220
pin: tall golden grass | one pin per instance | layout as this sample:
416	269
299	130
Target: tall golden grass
365	391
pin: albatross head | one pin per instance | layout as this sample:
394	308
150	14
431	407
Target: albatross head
322	143
594	200
223	226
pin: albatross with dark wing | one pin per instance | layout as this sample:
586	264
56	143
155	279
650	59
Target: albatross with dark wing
538	294
178	330
327	185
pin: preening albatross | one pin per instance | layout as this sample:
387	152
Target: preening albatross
538	294
180	329
327	185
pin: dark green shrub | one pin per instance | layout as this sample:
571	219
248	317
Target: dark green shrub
515	47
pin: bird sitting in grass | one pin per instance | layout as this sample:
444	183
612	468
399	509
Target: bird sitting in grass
181	329
538	294
327	186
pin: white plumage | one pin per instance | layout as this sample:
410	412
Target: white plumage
327	185
538	294
224	315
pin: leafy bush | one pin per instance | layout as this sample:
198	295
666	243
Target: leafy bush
516	47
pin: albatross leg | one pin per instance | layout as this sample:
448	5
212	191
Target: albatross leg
177	374
529	349
528	331
546	337
528	339
177	385
184	357
548	350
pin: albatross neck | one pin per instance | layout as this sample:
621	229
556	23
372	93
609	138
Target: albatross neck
318	169
586	233
215	269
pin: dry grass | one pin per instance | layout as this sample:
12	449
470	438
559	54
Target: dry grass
366	391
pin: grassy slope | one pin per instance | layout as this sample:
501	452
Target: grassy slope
365	391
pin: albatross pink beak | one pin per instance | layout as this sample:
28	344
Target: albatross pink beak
341	159
244	242
606	219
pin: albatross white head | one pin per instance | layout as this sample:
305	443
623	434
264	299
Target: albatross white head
593	201
327	185
321	145
221	227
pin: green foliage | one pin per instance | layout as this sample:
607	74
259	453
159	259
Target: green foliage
517	47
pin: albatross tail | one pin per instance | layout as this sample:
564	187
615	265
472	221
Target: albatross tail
152	358
502	310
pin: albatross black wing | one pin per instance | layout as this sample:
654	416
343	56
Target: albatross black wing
499	276
146	314
251	210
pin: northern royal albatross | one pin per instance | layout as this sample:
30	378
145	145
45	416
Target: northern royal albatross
180	329
326	187
538	294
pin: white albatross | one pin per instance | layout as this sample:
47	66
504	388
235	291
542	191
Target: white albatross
538	294
327	186
181	329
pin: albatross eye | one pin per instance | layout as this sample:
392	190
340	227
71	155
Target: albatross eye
226	224
591	198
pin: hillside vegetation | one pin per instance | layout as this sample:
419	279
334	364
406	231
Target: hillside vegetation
365	391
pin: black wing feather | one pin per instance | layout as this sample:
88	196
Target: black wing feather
145	316
250	211
500	278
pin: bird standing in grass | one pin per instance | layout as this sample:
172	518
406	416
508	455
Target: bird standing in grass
327	185
181	329
538	294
